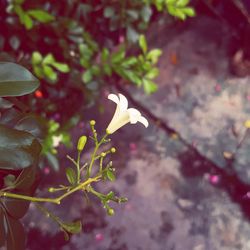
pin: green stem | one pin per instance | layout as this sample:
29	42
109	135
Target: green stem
93	157
78	167
51	200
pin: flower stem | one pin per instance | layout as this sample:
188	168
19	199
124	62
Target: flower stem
93	157
51	200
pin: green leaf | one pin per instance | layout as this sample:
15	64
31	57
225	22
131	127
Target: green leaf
118	56
15	80
18	149
133	14
62	67
154	72
149	86
107	69
182	3
87	76
105	55
110	175
95	70
38	71
130	61
15	234
71	176
146	13
143	43
154	55
132	76
36	58
132	34
189	11
49	73
27	21
49	59
108	12
41	16
73	227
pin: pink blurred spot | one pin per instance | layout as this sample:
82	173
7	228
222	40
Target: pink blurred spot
56	116
81	124
46	170
248	97
132	148
99	237
121	39
214	179
128	207
194	143
217	88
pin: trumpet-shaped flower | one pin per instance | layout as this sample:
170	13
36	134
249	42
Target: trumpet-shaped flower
123	115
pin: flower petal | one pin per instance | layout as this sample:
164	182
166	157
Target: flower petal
144	121
114	98
123	103
134	115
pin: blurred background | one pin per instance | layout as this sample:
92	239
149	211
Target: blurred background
185	65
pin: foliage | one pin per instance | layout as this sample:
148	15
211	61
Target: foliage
19	152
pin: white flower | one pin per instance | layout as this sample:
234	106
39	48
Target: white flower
123	115
56	139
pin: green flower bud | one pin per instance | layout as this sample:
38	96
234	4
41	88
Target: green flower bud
103	154
113	150
51	189
92	122
110	211
81	143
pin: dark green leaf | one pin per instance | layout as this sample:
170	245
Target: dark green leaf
15	208
71	176
53	161
18	149
26	178
16	80
2	229
41	16
34	124
4	104
15	234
